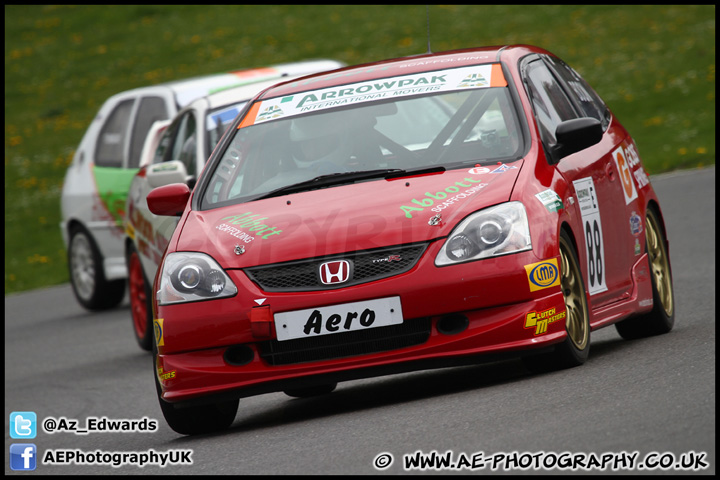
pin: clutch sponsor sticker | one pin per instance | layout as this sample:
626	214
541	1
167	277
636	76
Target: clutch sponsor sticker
541	319
543	274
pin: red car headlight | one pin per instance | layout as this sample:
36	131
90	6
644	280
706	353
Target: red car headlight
190	277
495	231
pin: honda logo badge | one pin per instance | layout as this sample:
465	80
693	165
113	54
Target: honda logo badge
335	272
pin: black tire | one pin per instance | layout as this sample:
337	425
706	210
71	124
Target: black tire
196	419
661	318
199	419
140	293
87	276
574	350
311	391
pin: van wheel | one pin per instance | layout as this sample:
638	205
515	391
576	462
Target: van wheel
87	277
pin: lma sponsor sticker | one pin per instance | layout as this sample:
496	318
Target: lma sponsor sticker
543	274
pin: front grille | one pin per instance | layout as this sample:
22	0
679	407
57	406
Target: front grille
347	344
367	266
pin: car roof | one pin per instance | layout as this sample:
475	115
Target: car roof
243	92
187	90
398	66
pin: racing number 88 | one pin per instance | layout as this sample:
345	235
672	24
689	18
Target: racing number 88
592	237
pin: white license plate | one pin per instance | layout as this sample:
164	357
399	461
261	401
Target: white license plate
346	317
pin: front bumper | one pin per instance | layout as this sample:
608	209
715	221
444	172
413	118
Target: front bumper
458	314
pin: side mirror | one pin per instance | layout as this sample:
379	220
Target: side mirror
165	173
577	134
169	200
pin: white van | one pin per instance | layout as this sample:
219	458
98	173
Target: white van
97	182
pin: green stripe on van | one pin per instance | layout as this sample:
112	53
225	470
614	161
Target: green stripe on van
113	185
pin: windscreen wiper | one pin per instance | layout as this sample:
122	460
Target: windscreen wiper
341	178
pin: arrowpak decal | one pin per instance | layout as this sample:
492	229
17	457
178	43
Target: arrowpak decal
463	78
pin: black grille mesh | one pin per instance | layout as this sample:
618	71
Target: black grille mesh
339	345
368	266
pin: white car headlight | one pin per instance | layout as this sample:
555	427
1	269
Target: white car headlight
190	276
492	232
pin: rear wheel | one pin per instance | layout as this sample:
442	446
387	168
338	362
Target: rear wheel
87	277
574	350
662	316
140	300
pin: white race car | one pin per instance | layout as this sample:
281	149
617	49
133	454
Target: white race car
96	183
174	152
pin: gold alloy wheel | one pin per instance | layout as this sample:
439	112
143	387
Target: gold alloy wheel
576	321
659	263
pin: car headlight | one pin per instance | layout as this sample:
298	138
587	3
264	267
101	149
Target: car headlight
190	276
492	232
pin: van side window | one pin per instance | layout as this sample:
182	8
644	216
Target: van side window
109	151
151	109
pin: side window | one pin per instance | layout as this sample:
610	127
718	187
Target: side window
109	150
163	148
151	109
183	145
550	104
586	98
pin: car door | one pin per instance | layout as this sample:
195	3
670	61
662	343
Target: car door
605	238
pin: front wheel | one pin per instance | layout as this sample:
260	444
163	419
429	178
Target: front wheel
662	316
196	419
87	277
199	419
574	350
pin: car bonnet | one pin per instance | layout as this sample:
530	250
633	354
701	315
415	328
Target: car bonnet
347	218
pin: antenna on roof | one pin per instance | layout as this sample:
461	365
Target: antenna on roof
427	13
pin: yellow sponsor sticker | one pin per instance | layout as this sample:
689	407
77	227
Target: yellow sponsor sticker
540	320
158	325
543	274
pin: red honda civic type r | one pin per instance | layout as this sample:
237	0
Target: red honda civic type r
420	212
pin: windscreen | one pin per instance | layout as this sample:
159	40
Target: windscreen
448	118
217	121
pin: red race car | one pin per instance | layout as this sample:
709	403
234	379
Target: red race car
421	212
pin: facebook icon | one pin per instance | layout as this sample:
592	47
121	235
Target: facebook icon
23	456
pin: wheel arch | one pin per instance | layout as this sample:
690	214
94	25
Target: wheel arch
655	207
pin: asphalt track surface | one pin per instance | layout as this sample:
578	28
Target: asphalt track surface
653	398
